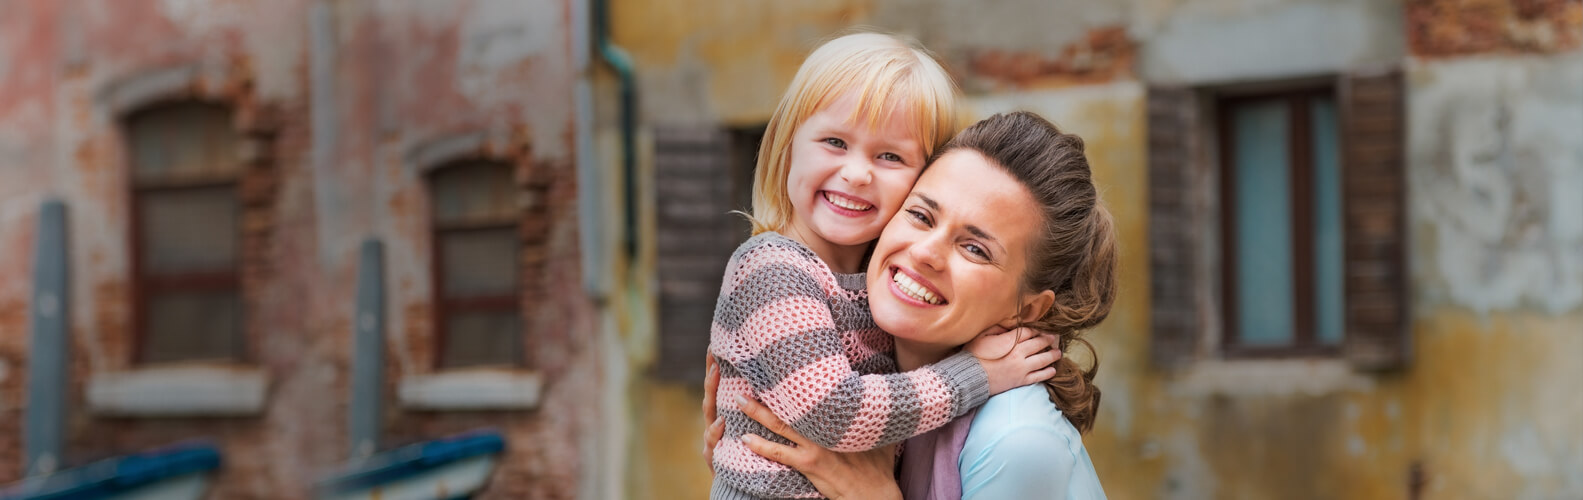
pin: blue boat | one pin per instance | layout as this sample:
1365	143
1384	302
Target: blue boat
178	472
451	468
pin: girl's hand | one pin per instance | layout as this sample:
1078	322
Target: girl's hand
714	426
865	474
1014	359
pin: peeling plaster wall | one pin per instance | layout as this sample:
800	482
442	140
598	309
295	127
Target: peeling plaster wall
1497	168
351	89
1486	408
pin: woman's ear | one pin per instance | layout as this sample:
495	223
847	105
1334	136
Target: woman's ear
1030	308
1034	306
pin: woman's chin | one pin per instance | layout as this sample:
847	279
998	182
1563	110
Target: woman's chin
898	321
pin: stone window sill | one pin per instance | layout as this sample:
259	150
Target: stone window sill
179	390
1270	377
471	389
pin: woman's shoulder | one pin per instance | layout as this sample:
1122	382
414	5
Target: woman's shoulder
1018	443
1025	414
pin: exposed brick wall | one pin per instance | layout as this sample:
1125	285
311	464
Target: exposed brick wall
1459	27
1101	55
405	73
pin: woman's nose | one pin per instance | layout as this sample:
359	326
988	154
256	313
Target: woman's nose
929	251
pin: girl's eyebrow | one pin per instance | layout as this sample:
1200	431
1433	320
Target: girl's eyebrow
973	229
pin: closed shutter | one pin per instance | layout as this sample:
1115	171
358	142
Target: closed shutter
1375	183
696	234
1177	222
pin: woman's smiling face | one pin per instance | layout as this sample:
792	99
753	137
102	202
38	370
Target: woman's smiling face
949	264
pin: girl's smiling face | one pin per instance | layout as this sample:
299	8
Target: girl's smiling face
847	179
950	263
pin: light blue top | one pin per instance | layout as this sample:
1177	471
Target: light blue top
1020	446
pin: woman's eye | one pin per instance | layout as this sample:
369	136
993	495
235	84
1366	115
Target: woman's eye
835	142
918	215
892	157
977	251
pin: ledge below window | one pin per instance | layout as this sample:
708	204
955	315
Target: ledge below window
209	390
476	389
1270	377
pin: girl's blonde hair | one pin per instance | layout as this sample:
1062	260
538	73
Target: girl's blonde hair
885	71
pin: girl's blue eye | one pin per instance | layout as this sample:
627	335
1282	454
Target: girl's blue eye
891	157
835	142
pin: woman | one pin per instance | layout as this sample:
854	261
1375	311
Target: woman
1006	226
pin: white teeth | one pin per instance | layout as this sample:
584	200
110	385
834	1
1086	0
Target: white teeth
847	203
914	289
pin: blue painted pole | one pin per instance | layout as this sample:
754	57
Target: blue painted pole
45	421
368	357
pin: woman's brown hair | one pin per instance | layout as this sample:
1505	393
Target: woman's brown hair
1074	254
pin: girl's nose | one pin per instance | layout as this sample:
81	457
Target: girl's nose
857	173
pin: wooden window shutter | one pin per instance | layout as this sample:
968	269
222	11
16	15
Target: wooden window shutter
1374	181
696	235
1177	221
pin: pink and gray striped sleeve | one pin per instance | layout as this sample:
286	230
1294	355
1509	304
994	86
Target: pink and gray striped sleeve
776	325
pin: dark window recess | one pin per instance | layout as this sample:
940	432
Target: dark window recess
701	175
186	233
1281	235
477	255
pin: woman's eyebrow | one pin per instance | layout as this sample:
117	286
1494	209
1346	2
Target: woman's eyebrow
975	230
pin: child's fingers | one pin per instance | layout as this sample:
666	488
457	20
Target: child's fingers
779	453
1032	346
1039	376
761	414
1046	358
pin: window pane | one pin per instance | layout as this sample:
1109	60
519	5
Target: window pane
184	142
480	262
186	326
481	338
187	230
474	192
1329	293
1263	224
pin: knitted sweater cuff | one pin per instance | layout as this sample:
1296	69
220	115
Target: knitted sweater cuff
966	376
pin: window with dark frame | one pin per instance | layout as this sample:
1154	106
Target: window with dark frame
1333	250
1281	223
477	261
186	233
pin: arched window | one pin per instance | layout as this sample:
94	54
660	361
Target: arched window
477	255
185	235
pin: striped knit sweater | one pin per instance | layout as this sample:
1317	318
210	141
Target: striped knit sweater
801	339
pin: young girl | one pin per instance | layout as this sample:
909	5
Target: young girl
792	327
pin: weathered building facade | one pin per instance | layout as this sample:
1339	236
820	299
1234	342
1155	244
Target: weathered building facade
221	164
222	167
